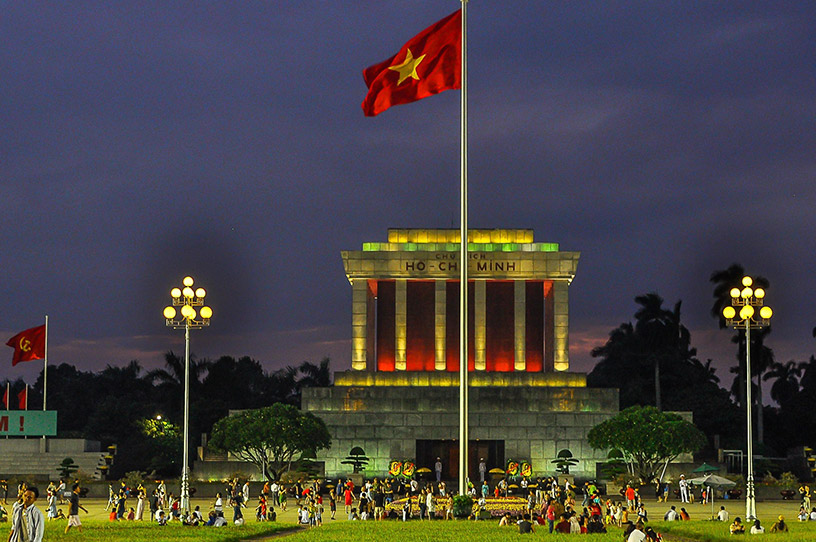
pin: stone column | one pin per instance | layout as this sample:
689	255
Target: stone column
561	325
360	306
440	324
520	323
400	325
480	327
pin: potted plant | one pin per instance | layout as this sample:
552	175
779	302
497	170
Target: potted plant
462	506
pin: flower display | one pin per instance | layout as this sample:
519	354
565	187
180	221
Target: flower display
512	468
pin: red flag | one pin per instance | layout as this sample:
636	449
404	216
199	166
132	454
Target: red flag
22	399
428	64
6	399
28	345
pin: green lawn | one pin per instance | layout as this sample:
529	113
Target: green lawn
433	531
137	531
716	531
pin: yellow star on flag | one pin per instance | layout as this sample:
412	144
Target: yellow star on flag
408	67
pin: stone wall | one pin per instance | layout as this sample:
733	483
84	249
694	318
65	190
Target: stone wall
534	422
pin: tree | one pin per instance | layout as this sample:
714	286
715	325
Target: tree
357	459
661	332
270	437
163	445
647	438
658	339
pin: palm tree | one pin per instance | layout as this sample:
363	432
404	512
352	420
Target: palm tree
661	333
314	376
786	385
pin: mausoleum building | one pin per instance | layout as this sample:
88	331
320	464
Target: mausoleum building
399	401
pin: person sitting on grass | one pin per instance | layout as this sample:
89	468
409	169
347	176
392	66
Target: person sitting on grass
505	520
757	528
684	515
525	526
737	527
671	515
722	515
161	517
563	525
780	526
595	525
637	534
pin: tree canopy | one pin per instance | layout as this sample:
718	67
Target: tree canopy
271	437
105	405
647	438
658	337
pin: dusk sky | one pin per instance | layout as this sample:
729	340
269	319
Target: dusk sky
143	141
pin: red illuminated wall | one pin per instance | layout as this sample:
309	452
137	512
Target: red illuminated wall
534	332
420	321
386	311
499	321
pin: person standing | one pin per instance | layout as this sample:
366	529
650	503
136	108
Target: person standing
482	469
27	521
245	491
140	504
438	469
684	491
73	512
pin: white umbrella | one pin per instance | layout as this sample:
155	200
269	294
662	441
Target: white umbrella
713	481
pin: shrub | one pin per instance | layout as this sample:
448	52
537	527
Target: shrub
462	506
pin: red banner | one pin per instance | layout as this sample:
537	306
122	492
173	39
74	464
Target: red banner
28	345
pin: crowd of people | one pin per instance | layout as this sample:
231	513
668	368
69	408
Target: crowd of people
549	506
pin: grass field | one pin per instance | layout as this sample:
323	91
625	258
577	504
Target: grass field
97	528
134	531
433	531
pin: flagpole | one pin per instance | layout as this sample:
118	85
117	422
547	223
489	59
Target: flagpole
45	363
463	269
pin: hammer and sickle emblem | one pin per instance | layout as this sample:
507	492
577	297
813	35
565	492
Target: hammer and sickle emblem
25	345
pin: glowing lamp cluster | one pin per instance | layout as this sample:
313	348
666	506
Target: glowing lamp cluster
748	311
188	299
747	306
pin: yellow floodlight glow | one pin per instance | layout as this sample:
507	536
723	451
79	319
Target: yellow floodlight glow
746	312
188	292
735	292
169	313
206	313
746	292
175	293
747	281
765	312
187	311
729	312
200	293
188	281
759	293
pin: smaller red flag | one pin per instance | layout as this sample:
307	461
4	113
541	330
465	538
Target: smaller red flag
22	398
6	399
28	345
427	64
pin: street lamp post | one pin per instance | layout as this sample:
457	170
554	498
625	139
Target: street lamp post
187	299
746	299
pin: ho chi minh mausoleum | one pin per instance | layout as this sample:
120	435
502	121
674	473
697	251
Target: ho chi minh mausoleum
400	398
